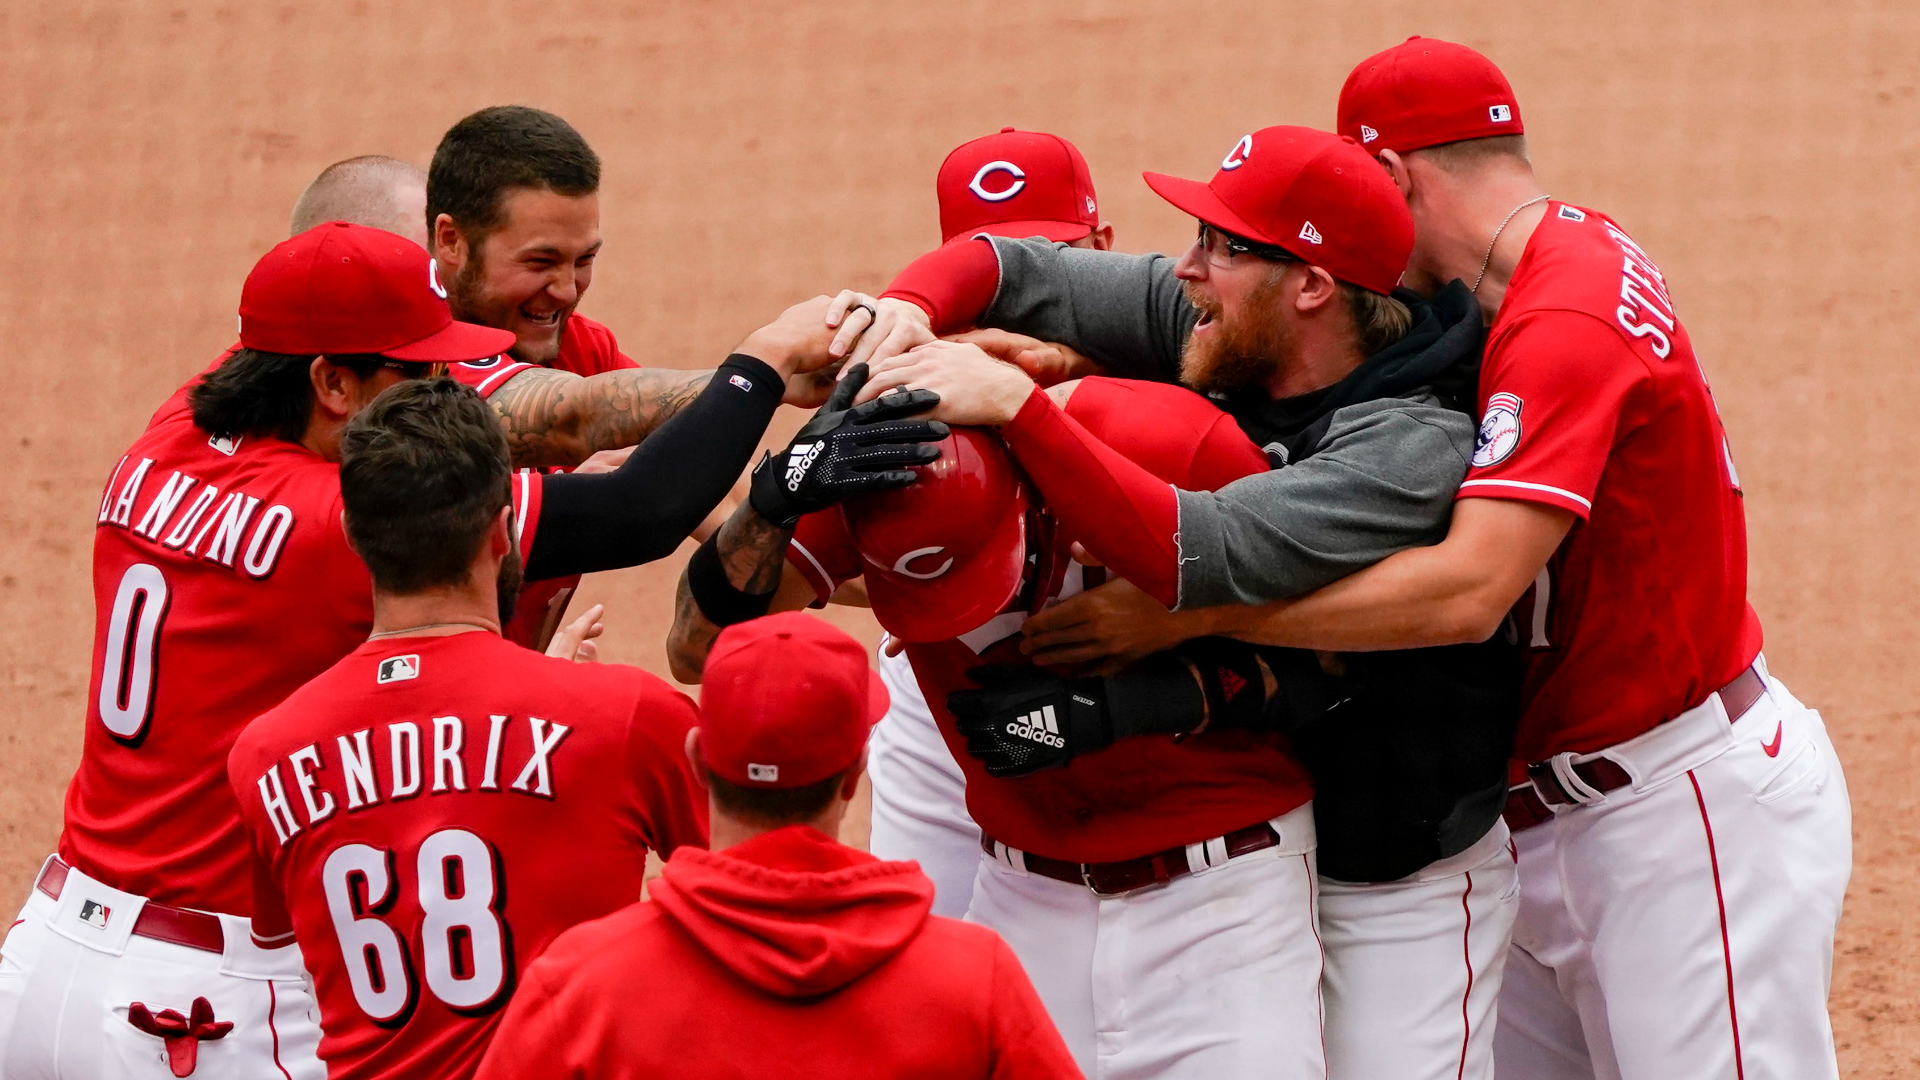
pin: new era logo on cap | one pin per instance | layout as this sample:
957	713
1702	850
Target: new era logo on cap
398	669
1499	114
1310	234
1367	134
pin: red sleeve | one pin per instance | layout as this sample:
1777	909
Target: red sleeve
822	550
272	927
1025	1044
953	283
673	806
486	376
528	487
1122	513
1556	389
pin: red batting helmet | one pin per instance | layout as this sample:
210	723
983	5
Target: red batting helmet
946	554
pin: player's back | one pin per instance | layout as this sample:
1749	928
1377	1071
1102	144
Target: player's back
222	581
1598	405
434	810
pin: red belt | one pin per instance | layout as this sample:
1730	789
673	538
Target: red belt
194	929
1529	804
1108	879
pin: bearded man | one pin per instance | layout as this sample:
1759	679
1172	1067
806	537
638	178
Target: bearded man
1285	311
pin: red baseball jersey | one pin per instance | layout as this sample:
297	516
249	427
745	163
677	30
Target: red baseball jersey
222	581
586	348
1593	402
432	811
1140	795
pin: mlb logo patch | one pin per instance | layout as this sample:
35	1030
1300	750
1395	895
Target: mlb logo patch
1499	114
741	381
399	669
95	914
1367	134
224	445
1568	213
763	774
1310	234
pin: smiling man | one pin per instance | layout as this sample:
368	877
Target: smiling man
513	210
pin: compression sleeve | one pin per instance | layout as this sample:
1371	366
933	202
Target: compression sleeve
953	283
645	508
1121	513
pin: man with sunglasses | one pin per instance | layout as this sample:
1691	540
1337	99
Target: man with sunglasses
224	580
1285	311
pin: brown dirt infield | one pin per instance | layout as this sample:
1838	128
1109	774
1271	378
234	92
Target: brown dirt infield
1764	151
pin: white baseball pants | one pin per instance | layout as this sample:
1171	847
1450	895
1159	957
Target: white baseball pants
1212	975
919	793
66	983
1414	966
1683	926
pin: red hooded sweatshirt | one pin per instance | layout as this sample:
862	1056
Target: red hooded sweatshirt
786	956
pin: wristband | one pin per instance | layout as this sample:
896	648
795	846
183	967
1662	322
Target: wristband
1157	696
1230	675
719	599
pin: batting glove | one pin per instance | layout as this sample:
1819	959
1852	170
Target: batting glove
847	450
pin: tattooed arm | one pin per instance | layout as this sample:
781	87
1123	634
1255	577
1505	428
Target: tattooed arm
753	551
559	418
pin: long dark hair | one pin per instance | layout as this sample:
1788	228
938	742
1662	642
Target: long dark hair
265	394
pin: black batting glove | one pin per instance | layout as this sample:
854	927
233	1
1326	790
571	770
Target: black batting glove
1022	719
847	450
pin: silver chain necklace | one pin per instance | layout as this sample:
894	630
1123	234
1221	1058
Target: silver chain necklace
1488	261
430	626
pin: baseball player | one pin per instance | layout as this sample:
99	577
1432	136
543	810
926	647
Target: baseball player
1285	309
1013	183
437	806
513	207
780	952
1684	831
223	582
1161	897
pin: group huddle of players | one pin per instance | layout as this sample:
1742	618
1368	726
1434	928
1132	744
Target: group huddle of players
1322	653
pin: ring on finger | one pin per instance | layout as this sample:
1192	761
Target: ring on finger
873	313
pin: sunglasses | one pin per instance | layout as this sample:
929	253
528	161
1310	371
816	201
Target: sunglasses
413	371
1222	248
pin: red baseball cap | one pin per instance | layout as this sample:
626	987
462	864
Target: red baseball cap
1016	183
1311	192
948	553
786	701
1424	92
342	288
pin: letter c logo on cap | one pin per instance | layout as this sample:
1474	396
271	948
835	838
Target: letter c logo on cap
977	185
900	564
433	279
1238	156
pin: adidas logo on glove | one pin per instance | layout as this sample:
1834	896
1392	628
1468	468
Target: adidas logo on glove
1037	726
799	458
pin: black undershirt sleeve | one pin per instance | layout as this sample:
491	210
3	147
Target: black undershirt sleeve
644	509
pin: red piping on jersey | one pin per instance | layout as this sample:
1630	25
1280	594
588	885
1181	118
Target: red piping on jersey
1466	950
1124	515
1726	948
954	284
273	1004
